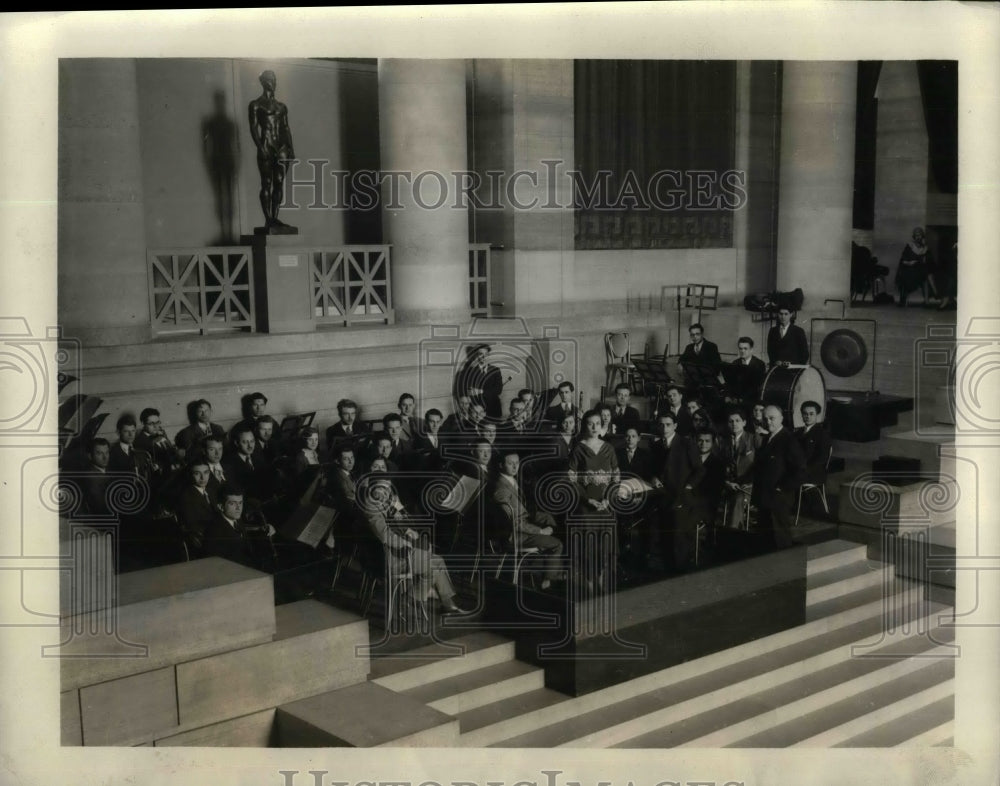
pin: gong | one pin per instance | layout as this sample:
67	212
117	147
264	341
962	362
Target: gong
843	353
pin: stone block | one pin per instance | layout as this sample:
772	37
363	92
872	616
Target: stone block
129	710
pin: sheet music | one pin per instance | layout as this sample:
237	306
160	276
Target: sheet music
635	486
461	494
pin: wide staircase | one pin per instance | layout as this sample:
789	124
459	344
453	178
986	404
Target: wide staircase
872	666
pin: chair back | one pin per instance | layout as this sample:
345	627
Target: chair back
499	527
617	347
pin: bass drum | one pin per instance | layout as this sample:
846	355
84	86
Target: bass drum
789	387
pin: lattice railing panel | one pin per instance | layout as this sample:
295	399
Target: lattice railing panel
351	284
200	289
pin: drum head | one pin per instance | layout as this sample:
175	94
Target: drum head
808	387
843	353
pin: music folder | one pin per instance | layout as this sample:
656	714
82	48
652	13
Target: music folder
635	486
462	494
310	524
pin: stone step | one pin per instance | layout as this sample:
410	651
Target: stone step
933	446
871	503
686	681
363	716
497	717
129	710
869	594
721	704
844	580
255	730
910	723
832	554
778	717
316	649
441	660
890	718
165	616
472	689
941	734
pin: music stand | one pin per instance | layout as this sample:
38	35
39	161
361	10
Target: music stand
292	425
652	373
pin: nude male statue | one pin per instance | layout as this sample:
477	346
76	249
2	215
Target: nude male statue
270	133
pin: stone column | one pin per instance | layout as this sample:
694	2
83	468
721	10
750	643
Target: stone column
816	182
103	294
422	125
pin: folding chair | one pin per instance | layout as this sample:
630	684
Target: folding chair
819	487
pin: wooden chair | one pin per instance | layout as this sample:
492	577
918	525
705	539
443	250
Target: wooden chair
818	487
618	353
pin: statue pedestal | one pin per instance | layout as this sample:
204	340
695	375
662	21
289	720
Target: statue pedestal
281	283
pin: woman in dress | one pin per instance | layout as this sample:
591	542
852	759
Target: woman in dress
593	467
308	454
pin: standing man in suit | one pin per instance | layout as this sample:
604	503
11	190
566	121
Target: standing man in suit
634	461
531	529
564	406
738	452
349	427
698	499
746	373
815	443
393	425
200	418
675	406
341	486
480	381
786	342
777	474
428	441
253	406
623	415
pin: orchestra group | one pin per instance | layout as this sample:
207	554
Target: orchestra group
708	454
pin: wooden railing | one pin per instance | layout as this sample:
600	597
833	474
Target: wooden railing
200	289
351	284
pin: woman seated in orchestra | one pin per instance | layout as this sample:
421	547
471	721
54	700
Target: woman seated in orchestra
593	467
308	453
607	430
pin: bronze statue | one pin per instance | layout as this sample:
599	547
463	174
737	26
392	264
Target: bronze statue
273	138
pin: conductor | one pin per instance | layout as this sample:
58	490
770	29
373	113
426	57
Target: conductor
270	133
480	381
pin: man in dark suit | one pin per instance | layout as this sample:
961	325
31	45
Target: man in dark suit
268	448
349	427
666	428
124	455
479	380
700	355
564	406
200	418
401	448
94	481
531	528
698	499
777	473
676	407
459	421
240	467
228	535
634	461
195	506
787	342
253	406
623	415
427	443
815	443
738	453
745	374
212	449
341	488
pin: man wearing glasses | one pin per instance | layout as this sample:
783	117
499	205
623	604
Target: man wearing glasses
786	342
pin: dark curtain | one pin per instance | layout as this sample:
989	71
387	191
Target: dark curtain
865	132
939	91
637	118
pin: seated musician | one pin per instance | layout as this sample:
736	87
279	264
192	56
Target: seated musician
94	480
757	424
460	420
534	408
675	406
564	406
624	416
517	414
408	420
563	441
195	506
230	536
427	442
153	440
393	425
268	443
701	354
201	425
697	499
787	343
308	452
633	460
815	442
381	448
213	451
349	426
386	518
482	464
607	428
253	406
746	373
532	528
125	457
738	451
239	464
